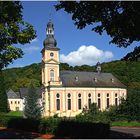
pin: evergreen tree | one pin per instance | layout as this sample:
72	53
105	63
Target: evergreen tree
3	96
32	108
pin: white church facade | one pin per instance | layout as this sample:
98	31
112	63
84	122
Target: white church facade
66	93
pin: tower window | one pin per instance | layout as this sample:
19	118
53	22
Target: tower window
51	75
51	54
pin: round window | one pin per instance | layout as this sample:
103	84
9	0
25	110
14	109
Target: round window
89	95
69	95
51	54
57	95
79	95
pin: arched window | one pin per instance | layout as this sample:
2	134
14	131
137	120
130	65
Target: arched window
99	101
79	102
57	101
107	101
89	100
69	101
51	75
116	100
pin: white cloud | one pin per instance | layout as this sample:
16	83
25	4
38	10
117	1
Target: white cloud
34	40
31	49
88	55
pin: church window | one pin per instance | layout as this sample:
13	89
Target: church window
116	101
15	102
99	103
107	94
69	104
79	95
18	102
89	100
11	102
115	94
57	101
79	102
51	75
107	102
69	101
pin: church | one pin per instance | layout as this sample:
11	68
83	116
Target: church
66	93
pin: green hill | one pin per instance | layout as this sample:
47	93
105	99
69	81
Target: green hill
127	72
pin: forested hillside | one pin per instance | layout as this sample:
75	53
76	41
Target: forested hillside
127	72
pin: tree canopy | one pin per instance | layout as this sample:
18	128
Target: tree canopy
13	30
133	56
120	19
33	107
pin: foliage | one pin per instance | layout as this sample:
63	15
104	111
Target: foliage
119	19
13	30
80	130
21	77
33	107
133	56
3	95
93	115
131	106
4	119
127	72
49	125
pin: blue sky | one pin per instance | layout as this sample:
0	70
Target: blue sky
77	47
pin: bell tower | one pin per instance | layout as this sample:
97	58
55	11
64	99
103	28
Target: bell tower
50	58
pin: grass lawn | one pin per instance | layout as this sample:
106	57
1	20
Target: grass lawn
125	123
15	113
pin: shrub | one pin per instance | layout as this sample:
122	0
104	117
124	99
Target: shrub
4	119
49	125
74	129
24	124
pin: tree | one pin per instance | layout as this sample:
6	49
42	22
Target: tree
133	56
130	107
3	95
33	107
120	19
13	30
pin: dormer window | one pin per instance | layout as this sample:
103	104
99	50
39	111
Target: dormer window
112	80
76	78
95	79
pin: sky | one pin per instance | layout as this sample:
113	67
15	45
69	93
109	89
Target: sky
77	47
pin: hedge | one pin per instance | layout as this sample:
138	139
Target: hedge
60	127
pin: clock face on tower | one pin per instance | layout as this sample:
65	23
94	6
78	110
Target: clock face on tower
51	54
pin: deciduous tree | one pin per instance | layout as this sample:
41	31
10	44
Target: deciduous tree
120	19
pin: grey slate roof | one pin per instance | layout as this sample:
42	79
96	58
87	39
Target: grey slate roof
13	95
24	92
87	79
21	94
